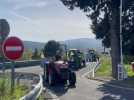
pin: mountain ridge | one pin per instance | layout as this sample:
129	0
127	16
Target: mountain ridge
81	43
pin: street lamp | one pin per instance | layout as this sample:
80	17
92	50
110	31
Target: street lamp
121	69
120	66
121	54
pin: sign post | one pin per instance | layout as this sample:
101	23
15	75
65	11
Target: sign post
13	49
12	76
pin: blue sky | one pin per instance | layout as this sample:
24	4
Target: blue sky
43	20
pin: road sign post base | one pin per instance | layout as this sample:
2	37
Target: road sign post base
122	74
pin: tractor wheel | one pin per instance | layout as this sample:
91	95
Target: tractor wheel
72	79
51	79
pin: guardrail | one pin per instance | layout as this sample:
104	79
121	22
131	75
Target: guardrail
35	93
93	69
23	63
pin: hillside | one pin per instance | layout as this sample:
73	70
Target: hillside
82	43
32	45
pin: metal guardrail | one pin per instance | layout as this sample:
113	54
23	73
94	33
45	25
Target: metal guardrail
93	69
20	61
23	63
35	93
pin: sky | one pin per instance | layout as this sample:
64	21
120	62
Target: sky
43	20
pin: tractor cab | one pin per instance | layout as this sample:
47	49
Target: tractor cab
76	58
91	56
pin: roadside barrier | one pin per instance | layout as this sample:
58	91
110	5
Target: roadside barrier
19	64
93	69
35	92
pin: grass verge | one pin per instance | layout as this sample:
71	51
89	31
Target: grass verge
105	72
5	89
105	68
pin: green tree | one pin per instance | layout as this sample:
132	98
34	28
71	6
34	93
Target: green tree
52	48
27	55
36	54
105	19
4	31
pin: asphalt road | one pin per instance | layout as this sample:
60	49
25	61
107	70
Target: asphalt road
85	89
88	90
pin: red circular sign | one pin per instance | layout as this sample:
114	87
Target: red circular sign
13	48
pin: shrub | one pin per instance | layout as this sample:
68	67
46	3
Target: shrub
128	59
5	90
105	68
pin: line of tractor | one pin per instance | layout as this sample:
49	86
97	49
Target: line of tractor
62	66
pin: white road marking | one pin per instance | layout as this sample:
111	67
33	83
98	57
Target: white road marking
53	96
86	74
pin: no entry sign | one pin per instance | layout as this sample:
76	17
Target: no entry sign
13	48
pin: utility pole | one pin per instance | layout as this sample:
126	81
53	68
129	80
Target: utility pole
121	69
120	65
121	54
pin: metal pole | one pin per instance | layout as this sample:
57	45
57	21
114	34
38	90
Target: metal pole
66	49
124	73
93	72
121	54
12	76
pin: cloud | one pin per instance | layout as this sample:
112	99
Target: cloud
41	4
16	1
25	5
28	20
21	16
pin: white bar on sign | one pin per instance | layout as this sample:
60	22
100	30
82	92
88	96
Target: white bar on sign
13	48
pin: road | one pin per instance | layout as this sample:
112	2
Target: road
85	89
89	90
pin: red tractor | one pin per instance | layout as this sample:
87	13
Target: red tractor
58	71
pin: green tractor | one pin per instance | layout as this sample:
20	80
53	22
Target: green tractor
76	58
92	56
